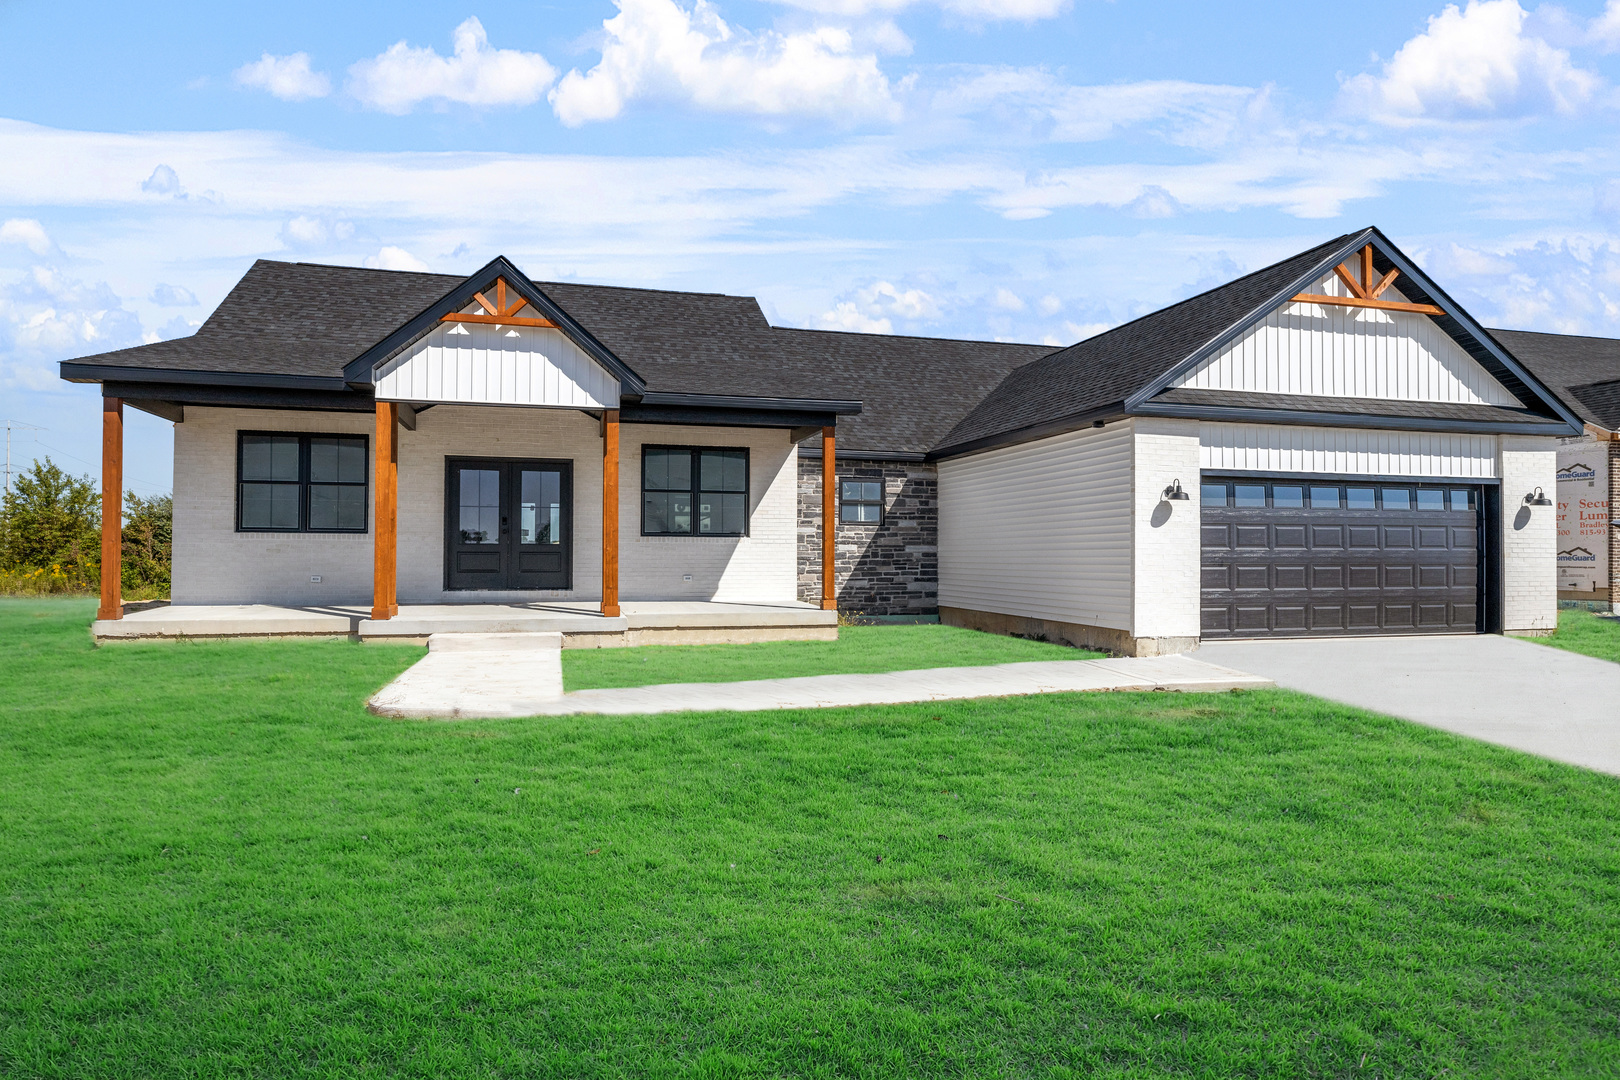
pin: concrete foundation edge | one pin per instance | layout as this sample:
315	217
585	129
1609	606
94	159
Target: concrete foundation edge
1079	635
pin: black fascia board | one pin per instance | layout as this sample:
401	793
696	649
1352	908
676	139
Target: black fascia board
812	449
1255	314
1309	418
723	401
357	372
1072	422
243	397
699	416
1426	291
73	371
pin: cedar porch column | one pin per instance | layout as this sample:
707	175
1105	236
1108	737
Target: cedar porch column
610	513
829	522
385	514
112	508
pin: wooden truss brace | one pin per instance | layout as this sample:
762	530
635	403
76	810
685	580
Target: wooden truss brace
1363	297
499	312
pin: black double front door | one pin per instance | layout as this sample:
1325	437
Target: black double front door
508	524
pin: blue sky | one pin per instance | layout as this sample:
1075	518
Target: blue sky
1031	170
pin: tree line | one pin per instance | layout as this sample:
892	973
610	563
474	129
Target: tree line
50	536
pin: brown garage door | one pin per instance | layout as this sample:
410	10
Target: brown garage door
1298	557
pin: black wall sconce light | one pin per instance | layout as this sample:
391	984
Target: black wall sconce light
1173	493
1537	498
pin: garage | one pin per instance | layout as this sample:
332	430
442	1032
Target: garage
1292	557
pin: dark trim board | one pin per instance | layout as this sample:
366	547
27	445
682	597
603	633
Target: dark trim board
243	397
1250	474
76	372
1303	418
723	401
724	417
813	450
1100	417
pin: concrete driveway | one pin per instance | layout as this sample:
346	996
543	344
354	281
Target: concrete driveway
1503	690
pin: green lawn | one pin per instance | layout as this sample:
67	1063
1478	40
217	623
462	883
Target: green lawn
213	862
858	649
1586	633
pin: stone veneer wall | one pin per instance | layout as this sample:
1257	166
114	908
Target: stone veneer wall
891	568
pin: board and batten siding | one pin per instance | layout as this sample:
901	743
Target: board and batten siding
1264	448
1041	530
1327	351
486	364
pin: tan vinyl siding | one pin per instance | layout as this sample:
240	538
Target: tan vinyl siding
1328	351
1041	530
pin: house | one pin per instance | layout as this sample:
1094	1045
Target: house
1585	373
1327	446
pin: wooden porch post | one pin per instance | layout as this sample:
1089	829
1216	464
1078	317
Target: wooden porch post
610	513
385	512
112	508
829	522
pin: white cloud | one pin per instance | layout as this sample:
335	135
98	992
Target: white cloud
27	232
656	50
1035	102
286	77
1081	331
47	315
165	295
403	77
1604	32
1049	304
304	232
1473	62
1006	300
874	308
163	181
985	10
395	258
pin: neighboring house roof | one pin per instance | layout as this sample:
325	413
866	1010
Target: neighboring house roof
302	323
1128	370
1584	371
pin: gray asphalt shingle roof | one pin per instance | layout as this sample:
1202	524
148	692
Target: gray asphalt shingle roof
1583	371
309	320
1101	372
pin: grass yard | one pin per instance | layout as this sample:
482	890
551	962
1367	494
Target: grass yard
858	649
1583	632
213	862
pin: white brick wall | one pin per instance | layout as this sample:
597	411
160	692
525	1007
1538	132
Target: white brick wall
1529	535
1166	552
214	564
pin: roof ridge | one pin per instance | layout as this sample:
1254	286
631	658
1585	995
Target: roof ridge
918	337
1550	333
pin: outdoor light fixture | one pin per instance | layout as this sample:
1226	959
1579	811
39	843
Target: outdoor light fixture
1537	498
1173	493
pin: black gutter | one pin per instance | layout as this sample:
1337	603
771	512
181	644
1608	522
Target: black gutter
722	401
1072	422
243	397
1309	418
812	449
73	371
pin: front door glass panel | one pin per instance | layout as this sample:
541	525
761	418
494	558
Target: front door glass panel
480	506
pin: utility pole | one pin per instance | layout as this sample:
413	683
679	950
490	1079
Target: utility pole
9	425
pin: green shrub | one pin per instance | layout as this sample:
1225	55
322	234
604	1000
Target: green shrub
50	537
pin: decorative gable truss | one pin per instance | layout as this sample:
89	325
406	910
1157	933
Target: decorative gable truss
1351	334
489	353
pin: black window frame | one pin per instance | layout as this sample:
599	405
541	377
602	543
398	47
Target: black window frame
303	482
877	502
696	490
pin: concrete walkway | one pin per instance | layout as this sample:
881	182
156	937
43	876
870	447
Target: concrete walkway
508	675
1502	690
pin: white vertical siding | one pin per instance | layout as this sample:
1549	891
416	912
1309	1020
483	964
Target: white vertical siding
1041	530
1357	451
481	363
1327	351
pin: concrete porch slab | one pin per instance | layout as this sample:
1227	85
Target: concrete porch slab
642	622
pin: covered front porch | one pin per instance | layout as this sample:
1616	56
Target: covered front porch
581	623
